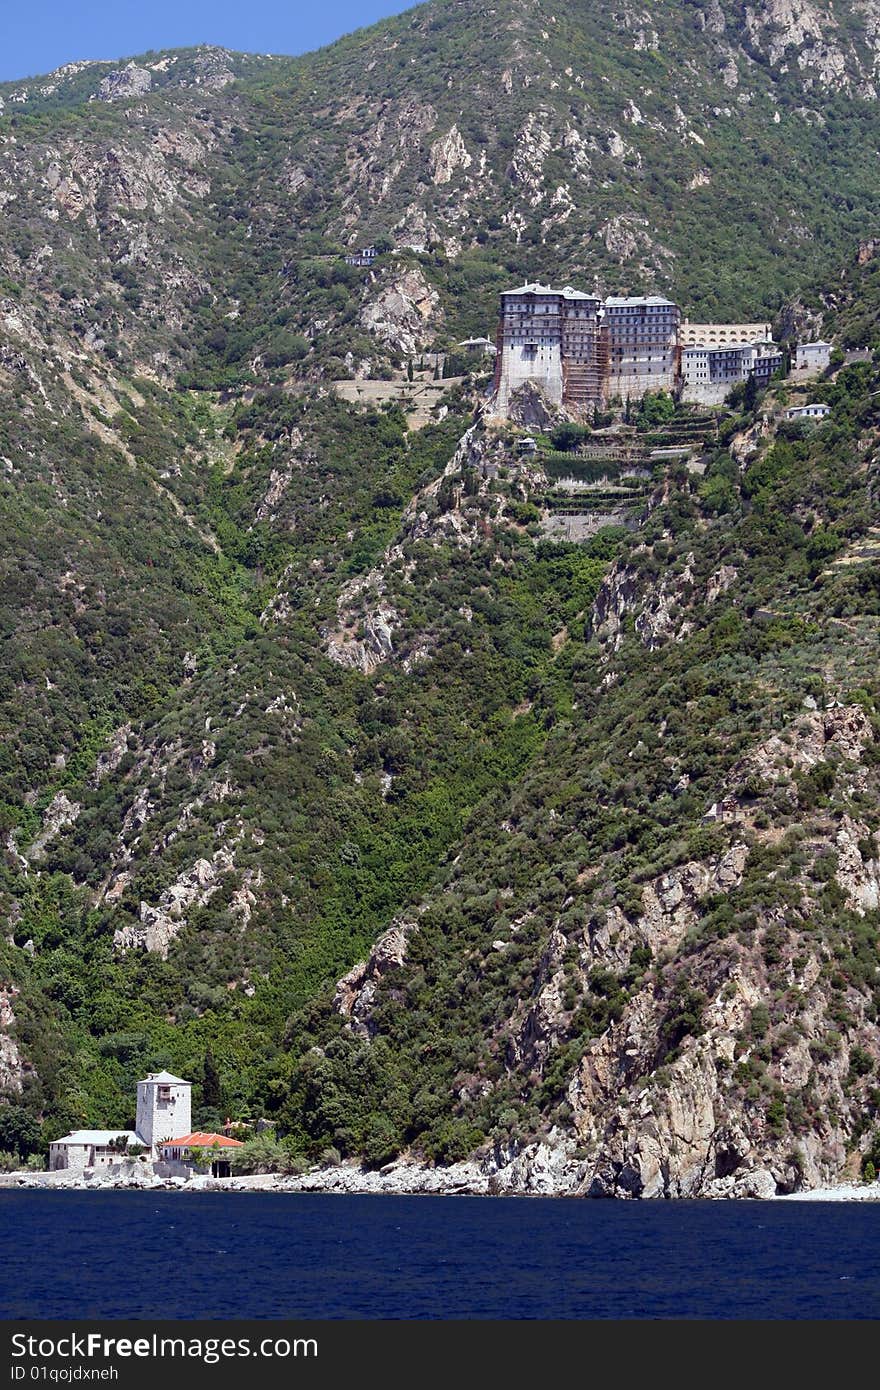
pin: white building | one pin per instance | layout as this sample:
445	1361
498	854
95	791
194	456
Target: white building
816	410
709	372
90	1148
811	359
552	339
485	346
531	343
164	1112
583	351
164	1108
643	345
363	257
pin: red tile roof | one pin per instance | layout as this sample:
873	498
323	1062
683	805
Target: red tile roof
200	1140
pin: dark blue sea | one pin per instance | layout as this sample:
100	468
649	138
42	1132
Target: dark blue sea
262	1255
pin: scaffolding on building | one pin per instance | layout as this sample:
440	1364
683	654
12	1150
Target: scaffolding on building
586	363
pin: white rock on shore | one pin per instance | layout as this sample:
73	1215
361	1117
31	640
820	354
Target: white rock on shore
845	1192
541	1170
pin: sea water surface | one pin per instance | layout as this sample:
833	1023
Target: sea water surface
306	1255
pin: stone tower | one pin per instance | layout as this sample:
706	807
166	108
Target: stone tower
554	339
163	1108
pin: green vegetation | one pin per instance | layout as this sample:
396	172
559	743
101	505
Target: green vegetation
281	675
264	1153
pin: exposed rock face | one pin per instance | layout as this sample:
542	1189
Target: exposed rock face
404	313
800	321
659	1141
747	442
654	1113
213	68
712	18
279	481
244	899
680	1132
393	136
577	150
130	81
356	992
670	907
619	236
662	620
804	32
61	811
364	637
544	1169
858	866
627	237
416	229
843	731
160	924
110	758
682	1129
618	594
366	631
11	1067
448	155
530	407
720	582
533	144
679	1141
660	609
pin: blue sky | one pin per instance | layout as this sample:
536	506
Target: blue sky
39	35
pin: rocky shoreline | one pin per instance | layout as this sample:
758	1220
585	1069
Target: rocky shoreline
539	1172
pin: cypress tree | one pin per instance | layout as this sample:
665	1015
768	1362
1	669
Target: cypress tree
212	1091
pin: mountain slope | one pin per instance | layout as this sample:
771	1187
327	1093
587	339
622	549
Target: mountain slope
683	1004
199	185
284	674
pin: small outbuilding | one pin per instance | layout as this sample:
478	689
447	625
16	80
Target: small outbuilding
479	345
363	258
816	410
812	358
